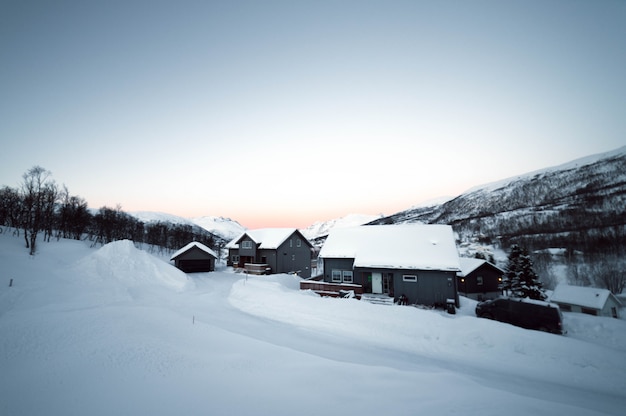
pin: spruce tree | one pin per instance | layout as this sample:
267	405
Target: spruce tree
520	280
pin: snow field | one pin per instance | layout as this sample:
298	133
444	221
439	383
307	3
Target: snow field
116	330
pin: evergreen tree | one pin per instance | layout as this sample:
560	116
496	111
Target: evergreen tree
520	280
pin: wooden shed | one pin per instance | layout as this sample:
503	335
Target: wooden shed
194	257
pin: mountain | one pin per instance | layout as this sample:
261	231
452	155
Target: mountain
579	206
224	227
320	229
150	216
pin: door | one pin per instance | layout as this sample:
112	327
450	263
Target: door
377	283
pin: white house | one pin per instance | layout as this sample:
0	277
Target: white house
590	300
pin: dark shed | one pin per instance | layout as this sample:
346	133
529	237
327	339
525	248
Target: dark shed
195	257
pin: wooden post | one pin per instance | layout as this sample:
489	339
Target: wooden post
10	282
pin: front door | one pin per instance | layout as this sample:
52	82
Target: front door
377	283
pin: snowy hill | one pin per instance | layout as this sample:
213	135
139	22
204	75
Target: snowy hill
322	228
150	216
578	205
115	330
224	227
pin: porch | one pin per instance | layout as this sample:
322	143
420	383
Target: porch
331	289
257	268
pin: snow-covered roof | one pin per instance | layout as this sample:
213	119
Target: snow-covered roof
589	297
267	238
468	265
193	244
404	246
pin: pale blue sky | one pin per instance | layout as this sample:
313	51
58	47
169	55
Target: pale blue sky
286	113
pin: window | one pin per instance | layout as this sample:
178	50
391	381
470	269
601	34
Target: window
246	244
336	275
293	257
291	242
347	276
479	280
409	278
235	258
298	243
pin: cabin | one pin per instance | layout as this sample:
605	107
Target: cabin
409	263
271	250
194	257
589	300
479	279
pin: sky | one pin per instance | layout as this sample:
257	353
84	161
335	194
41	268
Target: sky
284	113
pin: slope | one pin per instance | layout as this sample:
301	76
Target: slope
115	330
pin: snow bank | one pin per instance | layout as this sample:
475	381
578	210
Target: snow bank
121	262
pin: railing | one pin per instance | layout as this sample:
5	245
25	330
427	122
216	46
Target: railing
255	268
331	289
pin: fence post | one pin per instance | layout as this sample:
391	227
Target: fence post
10	282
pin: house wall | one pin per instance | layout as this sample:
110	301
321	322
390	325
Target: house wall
291	257
339	264
607	310
232	252
469	286
247	251
431	288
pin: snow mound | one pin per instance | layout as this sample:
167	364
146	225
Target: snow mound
123	263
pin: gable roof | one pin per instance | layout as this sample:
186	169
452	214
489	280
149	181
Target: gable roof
590	297
468	265
267	238
404	246
190	246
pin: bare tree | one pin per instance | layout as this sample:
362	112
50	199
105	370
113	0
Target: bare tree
39	194
610	274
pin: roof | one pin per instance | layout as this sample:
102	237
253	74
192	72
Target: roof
468	265
404	246
190	246
267	238
589	297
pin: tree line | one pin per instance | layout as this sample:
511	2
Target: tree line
39	207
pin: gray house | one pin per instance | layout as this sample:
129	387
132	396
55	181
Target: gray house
589	300
479	279
271	250
195	257
412	263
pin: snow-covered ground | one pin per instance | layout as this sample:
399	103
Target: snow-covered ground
118	331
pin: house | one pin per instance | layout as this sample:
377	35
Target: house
195	257
412	263
271	250
479	279
590	300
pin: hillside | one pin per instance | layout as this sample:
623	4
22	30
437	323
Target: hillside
116	330
578	206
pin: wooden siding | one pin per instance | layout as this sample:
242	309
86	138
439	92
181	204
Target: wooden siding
469	287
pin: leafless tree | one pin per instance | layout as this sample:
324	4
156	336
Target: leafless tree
39	194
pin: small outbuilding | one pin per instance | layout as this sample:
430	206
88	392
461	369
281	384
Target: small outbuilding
194	257
479	279
589	300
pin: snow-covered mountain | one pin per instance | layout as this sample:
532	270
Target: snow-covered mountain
151	216
224	227
322	228
583	198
